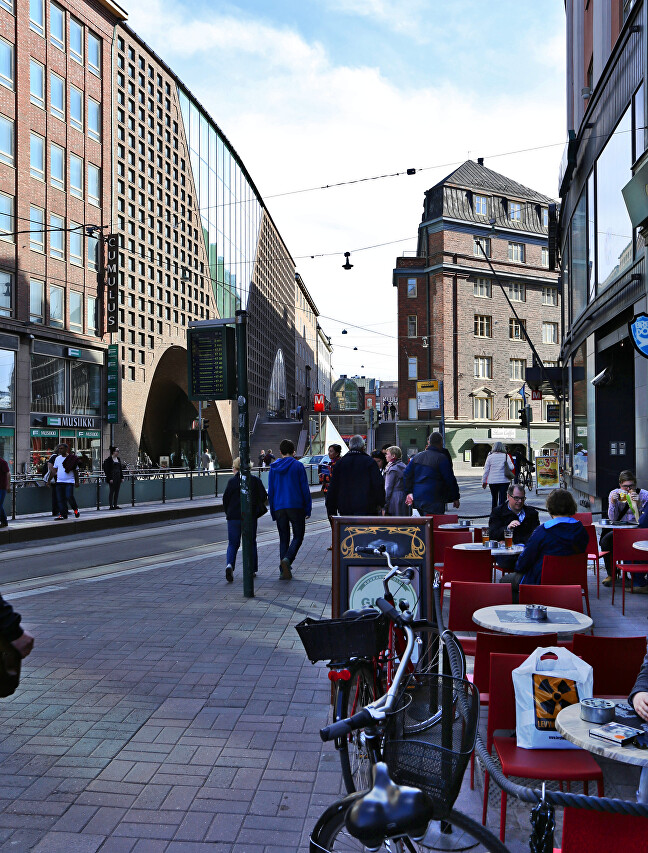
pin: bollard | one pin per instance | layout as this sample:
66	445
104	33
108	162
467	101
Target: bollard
163	487
190	485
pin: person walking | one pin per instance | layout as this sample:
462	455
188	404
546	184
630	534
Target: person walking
205	459
113	469
357	486
392	409
65	465
498	472
232	507
334	454
429	480
290	504
268	458
380	459
11	630
394	490
261	458
5	481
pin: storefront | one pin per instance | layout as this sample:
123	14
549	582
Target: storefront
85	443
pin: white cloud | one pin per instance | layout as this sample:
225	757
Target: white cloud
411	19
299	120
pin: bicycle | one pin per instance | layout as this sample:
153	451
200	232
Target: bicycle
363	648
526	475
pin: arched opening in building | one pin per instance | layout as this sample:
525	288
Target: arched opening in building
277	392
169	429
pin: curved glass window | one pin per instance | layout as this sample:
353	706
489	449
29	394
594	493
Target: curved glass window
614	229
277	390
345	396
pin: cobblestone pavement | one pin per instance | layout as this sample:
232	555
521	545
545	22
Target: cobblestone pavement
163	711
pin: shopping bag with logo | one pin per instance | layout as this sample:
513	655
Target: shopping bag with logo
549	680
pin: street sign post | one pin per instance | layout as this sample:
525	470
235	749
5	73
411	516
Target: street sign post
427	395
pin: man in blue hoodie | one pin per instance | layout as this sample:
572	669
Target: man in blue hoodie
290	504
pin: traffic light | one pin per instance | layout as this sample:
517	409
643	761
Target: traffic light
205	423
523	418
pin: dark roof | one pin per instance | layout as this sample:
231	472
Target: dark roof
473	176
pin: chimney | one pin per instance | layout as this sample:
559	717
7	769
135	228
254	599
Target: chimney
480	161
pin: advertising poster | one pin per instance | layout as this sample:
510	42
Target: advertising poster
547	471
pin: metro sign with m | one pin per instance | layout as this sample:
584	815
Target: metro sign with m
319	403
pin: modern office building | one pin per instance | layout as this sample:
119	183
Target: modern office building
456	326
603	244
306	352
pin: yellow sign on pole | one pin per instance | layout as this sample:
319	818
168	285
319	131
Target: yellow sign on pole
547	471
427	395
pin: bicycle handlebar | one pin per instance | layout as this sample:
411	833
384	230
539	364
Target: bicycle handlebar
390	611
344	727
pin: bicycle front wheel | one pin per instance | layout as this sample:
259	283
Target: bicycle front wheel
351	697
331	834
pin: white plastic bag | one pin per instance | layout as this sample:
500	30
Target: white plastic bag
549	680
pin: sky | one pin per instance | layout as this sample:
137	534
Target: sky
312	93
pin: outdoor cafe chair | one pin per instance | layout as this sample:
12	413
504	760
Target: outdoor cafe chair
566	570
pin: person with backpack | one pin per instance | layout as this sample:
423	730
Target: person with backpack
66	466
232	507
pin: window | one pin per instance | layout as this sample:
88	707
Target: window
411	326
483	326
6	217
544	215
37	16
546	402
515	211
480	243
482	408
614	231
76	108
482	288
57	26
92	249
412	367
47	384
36	84
515	405
550	333
76	311
76	41
94	54
544	256
516	329
6	289
76	176
481	205
76	244
94	120
516	252
56	306
37	156
517	292
549	295
7	4
57	167
57	96
36	301
412	409
6	140
517	368
483	367
36	229
85	380
94	184
6	64
57	236
411	288
91	315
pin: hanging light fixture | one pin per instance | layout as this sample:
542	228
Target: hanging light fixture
347	265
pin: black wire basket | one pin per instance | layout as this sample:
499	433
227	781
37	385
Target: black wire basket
429	739
339	639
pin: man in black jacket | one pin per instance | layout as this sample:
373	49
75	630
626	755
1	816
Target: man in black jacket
356	487
429	480
11	630
513	515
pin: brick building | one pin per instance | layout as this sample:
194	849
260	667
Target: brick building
455	325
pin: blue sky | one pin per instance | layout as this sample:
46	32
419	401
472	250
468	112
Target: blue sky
316	92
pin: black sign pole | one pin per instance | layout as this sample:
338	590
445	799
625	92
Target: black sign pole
244	453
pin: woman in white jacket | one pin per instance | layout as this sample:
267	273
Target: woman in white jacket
495	473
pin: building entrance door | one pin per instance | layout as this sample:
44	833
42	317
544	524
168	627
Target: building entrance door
615	417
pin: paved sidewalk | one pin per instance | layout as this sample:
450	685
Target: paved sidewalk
161	711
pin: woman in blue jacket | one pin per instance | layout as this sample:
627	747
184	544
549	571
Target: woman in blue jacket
562	536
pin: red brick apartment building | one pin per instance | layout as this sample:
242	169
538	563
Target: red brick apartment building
454	323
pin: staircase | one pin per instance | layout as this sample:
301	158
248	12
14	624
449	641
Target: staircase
386	434
270	434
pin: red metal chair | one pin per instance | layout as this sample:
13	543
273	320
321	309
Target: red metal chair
616	662
594	553
569	595
476	566
566	570
623	554
585	518
442	539
573	765
601	832
467	597
445	518
488	644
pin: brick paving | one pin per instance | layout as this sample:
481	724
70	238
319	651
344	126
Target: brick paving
163	711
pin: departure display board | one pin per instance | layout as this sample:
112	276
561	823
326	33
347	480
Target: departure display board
212	363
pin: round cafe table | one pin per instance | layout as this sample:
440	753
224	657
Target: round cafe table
575	730
624	525
512	619
455	526
495	548
641	545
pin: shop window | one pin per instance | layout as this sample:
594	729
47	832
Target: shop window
47	384
85	381
7	379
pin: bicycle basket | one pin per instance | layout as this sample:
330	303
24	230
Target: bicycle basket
338	639
428	741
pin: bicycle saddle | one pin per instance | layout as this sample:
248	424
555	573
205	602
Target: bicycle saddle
388	810
360	614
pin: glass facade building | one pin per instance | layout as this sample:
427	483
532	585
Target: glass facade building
230	212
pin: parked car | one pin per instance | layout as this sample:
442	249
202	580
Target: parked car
320	459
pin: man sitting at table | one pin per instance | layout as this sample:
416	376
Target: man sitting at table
638	697
516	516
562	536
619	511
